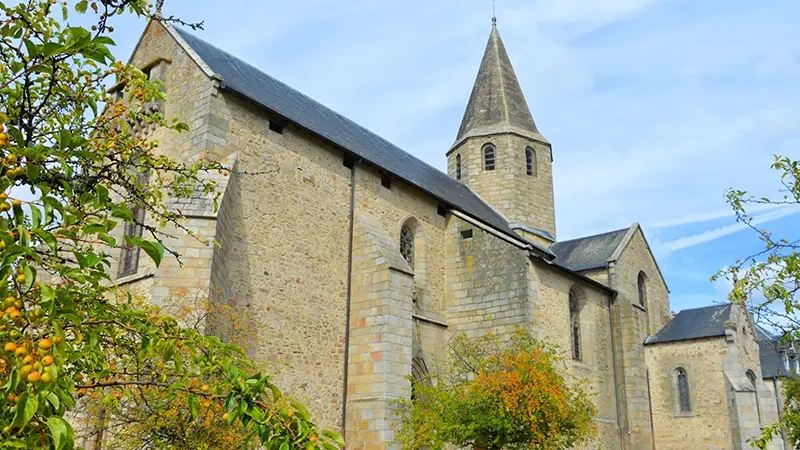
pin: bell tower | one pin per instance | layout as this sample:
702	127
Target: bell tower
500	154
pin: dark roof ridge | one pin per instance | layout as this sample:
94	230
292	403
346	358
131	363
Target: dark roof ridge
718	305
595	235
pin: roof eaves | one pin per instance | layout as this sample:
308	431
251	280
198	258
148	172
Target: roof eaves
651	340
388	171
624	243
583	277
190	51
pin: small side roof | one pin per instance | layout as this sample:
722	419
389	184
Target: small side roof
769	348
694	324
589	252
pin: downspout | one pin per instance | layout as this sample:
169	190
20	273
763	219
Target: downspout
349	290
650	405
614	365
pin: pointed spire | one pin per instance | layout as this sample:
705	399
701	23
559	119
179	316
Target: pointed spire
497	104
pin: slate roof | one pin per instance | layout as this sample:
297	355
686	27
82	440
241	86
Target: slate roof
694	324
769	347
497	104
589	252
277	97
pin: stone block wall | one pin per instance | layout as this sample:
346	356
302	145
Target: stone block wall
551	323
707	425
521	198
284	263
752	407
636	323
381	336
487	282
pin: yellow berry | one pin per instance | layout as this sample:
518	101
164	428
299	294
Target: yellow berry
47	377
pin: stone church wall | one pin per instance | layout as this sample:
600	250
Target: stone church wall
521	198
286	227
552	324
752	407
487	282
707	425
637	323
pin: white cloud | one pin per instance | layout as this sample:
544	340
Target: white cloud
664	249
705	217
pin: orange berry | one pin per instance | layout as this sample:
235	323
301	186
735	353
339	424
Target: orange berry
47	361
11	347
34	377
45	344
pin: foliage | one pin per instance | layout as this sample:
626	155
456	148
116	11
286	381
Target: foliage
72	173
127	418
767	282
496	395
790	419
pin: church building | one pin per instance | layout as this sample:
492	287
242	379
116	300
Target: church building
353	261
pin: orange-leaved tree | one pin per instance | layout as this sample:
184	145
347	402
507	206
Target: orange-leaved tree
492	394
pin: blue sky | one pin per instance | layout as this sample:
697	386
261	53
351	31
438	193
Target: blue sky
653	107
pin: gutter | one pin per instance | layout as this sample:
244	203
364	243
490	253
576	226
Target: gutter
349	292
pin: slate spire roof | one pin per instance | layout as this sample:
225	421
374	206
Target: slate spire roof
497	104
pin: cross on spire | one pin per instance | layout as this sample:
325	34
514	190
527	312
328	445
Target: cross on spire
494	13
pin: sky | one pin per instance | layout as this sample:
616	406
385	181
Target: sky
653	107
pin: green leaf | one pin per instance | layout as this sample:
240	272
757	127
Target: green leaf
153	249
81	6
36	216
302	410
30	277
58	429
33	171
48	293
194	407
26	409
48	238
53	399
335	437
284	446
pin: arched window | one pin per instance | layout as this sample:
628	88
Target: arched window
458	166
530	161
683	390
575	325
407	244
489	155
752	377
642	290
